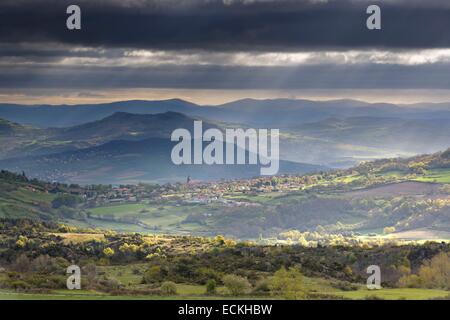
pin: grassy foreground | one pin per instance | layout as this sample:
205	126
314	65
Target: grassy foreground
197	292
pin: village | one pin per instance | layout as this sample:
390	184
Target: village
225	193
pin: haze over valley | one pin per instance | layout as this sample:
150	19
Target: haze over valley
66	143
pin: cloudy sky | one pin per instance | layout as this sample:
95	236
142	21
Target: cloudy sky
211	51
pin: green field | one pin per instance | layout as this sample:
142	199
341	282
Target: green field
436	175
395	294
198	292
131	277
119	210
167	218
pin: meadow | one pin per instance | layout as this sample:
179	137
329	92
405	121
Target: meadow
441	175
192	292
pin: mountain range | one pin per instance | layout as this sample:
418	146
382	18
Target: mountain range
259	113
26	141
121	148
315	135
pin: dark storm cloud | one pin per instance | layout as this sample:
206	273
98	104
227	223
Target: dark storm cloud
40	53
229	24
433	76
199	44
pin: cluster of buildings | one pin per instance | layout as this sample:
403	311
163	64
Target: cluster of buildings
227	193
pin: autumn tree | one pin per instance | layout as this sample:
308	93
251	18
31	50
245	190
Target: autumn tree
288	283
236	285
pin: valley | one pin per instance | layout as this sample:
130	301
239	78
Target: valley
336	133
345	203
106	195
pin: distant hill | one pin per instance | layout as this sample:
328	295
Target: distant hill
272	113
392	133
124	125
13	136
24	198
9	128
343	142
403	166
27	141
336	133
45	116
121	147
131	162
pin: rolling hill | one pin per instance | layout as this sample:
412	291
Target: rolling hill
24	198
22	141
122	147
123	161
46	116
273	113
409	196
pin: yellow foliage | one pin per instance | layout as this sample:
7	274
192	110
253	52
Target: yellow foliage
108	252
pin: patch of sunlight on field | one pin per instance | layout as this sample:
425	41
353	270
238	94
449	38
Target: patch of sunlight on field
92	295
126	275
118	210
436	175
393	173
74	238
188	289
394	294
192	289
319	285
112	225
71	296
28	195
347	179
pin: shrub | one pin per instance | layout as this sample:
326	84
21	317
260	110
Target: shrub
17	284
288	284
108	252
435	273
22	241
344	286
44	264
211	286
262	287
67	200
37	281
410	281
373	297
432	274
153	275
90	273
137	271
22	264
110	284
205	274
168	288
236	285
